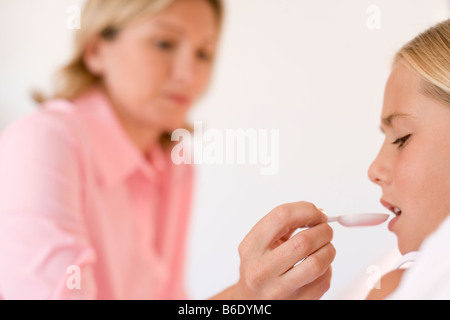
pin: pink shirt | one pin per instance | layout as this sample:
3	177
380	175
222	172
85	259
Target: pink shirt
83	214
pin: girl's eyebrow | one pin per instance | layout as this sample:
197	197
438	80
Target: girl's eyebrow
387	121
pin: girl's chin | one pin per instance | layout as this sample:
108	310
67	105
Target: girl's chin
407	245
402	248
404	241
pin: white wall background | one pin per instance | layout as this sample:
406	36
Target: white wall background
311	69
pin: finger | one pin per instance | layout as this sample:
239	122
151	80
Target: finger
283	239
314	266
280	220
316	289
300	246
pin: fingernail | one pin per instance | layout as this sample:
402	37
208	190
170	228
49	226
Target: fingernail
324	214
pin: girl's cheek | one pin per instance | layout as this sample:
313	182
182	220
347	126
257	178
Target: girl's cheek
412	162
403	169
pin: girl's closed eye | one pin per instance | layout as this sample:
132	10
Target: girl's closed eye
400	142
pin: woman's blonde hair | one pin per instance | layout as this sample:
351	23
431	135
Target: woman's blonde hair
429	55
104	18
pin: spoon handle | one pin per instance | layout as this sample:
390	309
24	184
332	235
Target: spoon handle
332	219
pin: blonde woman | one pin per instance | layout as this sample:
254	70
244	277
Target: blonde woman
91	205
412	167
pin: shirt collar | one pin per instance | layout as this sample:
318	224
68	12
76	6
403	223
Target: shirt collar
116	156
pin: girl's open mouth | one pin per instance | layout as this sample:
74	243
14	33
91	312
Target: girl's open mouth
395	210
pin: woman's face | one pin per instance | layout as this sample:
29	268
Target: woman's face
155	69
413	165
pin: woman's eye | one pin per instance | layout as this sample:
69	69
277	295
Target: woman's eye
400	142
203	55
164	44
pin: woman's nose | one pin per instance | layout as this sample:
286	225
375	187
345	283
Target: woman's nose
379	172
185	69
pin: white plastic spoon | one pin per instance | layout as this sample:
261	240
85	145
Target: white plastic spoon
360	220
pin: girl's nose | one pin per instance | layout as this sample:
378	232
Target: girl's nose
379	172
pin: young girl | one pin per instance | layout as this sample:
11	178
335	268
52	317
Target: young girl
413	165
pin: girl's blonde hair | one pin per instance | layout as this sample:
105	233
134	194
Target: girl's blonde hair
429	55
104	18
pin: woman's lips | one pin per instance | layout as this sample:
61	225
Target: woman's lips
179	99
